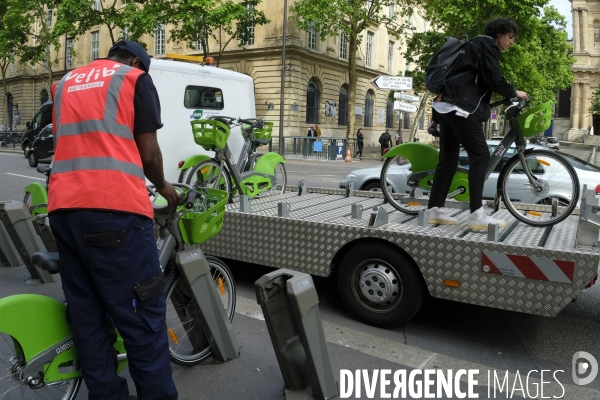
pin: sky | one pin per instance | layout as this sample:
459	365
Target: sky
564	7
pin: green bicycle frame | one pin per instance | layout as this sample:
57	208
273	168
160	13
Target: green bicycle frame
38	197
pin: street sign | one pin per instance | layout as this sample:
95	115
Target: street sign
407	97
411	108
493	115
393	82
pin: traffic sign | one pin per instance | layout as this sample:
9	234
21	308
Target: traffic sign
407	97
411	108
393	82
493	115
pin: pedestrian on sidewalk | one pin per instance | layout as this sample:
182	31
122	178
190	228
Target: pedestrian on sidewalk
360	142
385	140
398	137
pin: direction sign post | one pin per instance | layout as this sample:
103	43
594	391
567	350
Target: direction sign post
411	108
407	97
393	82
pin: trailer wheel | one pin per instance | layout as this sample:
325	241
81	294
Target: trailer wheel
380	285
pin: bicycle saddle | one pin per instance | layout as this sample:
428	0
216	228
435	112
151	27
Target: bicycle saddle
260	141
44	169
46	261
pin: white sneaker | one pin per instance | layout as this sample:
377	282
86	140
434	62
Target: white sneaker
439	216
480	219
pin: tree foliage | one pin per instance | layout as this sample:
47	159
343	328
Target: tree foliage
350	18
197	21
539	63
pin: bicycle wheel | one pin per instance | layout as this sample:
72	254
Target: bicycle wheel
208	174
281	179
395	173
187	343
12	362
557	188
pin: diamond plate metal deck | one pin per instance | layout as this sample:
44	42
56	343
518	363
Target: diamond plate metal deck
320	228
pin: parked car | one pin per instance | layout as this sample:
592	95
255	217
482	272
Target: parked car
368	178
553	143
538	140
42	147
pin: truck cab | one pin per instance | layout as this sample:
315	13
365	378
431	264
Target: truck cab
40	120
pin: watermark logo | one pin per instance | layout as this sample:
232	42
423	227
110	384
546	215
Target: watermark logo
583	364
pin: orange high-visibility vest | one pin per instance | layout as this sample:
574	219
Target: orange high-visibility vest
96	162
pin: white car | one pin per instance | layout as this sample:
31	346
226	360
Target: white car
553	143
589	174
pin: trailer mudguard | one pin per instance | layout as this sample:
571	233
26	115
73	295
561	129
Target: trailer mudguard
192	161
267	162
37	324
38	198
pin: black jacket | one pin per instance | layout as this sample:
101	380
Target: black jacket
475	74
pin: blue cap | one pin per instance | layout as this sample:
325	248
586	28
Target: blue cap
136	49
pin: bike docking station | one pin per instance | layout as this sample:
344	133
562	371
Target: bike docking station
588	229
19	226
289	302
195	270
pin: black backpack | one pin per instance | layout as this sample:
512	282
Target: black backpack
383	139
439	66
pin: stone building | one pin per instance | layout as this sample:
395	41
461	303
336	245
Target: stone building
315	84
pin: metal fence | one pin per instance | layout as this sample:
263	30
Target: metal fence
321	148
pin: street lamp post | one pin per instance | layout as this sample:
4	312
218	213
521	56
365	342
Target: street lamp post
281	99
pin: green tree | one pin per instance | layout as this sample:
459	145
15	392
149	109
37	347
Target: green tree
9	41
539	63
350	18
194	22
595	108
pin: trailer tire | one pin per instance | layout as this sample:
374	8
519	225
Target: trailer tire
380	285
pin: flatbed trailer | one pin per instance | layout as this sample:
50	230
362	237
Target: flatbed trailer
386	261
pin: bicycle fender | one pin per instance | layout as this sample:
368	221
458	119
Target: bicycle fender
422	157
39	197
267	162
193	161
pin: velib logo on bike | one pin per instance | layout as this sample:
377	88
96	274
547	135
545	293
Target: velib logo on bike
197	114
584	367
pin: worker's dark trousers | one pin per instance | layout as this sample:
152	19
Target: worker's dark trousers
103	256
455	131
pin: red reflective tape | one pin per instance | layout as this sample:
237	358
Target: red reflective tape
567	267
527	267
488	266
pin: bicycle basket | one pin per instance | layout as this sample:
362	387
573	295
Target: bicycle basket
536	120
265	132
197	226
210	134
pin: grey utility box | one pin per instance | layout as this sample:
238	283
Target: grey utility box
9	257
216	327
289	303
17	221
42	227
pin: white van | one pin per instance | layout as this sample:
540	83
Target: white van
190	91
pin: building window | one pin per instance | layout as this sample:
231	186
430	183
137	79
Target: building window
343	108
96	5
563	110
369	102
369	54
11	68
198	44
248	37
312	37
392	6
390	57
95	44
343	46
406	120
389	115
69	55
313	97
159	39
124	33
49	18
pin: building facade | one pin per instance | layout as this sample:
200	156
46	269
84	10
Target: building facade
315	83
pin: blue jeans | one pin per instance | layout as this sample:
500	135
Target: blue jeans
103	256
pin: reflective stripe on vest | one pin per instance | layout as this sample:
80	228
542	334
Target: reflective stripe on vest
94	145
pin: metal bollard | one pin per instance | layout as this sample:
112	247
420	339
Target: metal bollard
289	303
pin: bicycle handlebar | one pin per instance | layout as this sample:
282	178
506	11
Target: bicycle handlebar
255	123
186	199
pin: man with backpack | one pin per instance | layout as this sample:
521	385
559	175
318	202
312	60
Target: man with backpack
461	107
385	140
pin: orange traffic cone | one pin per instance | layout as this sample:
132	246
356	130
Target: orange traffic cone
348	155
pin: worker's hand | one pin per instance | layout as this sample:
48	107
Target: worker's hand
521	95
167	191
